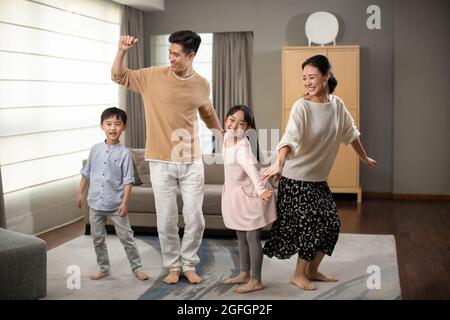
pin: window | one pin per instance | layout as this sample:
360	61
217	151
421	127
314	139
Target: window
202	65
55	60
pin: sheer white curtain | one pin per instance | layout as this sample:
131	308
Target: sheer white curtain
55	62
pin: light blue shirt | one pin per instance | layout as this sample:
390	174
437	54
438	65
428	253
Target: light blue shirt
108	169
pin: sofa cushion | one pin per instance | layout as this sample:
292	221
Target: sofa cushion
212	201
142	199
214	171
23	266
141	168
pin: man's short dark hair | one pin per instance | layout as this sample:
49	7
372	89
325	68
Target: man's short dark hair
189	40
114	113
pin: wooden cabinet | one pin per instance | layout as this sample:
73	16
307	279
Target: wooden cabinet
344	176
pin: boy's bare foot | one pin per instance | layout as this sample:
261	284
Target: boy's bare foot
99	275
141	275
192	277
303	283
252	285
243	277
317	276
172	277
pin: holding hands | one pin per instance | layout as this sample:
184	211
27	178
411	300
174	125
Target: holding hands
273	172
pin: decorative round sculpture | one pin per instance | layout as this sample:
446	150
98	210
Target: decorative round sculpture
321	28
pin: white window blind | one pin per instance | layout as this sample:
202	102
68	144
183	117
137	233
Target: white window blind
55	61
202	65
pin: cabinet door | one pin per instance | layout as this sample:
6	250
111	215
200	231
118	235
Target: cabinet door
345	65
345	170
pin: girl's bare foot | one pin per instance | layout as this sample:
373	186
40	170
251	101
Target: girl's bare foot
251	285
303	283
141	275
317	276
172	277
243	277
192	277
99	275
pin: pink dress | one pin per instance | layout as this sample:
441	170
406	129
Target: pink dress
242	209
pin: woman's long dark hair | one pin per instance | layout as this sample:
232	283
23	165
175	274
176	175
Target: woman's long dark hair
250	119
323	64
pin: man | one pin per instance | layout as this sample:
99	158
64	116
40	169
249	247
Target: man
172	97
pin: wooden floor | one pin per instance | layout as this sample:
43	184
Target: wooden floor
421	230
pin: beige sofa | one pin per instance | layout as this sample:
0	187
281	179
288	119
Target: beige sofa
142	211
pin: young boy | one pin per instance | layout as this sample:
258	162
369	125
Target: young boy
109	172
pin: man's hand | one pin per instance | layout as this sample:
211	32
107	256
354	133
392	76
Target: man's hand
265	196
123	210
127	42
80	200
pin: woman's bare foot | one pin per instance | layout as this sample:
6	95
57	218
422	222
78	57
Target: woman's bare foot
303	283
243	277
251	285
192	277
99	275
172	277
317	276
141	275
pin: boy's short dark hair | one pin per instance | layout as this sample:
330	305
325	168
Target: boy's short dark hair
114	113
189	40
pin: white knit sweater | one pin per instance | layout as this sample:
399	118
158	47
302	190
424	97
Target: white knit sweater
314	133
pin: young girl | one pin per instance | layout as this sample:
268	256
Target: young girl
247	202
307	222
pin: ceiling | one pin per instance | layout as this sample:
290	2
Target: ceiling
144	5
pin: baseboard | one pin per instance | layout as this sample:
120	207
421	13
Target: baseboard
422	197
59	226
409	197
377	195
146	231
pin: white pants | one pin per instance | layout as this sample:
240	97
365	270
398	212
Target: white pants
166	179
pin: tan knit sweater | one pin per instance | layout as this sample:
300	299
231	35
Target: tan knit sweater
171	106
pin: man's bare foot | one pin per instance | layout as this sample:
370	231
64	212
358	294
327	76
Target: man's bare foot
303	283
243	277
252	285
99	275
317	276
172	277
141	275
192	276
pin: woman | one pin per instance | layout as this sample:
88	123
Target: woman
307	222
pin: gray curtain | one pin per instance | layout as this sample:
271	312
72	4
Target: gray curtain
133	24
232	70
2	204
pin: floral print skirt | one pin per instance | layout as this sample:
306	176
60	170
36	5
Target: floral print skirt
307	221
